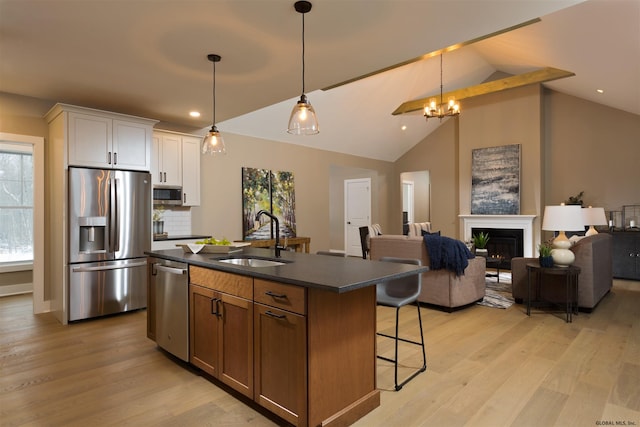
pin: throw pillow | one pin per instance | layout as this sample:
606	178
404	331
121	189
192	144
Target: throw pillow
426	233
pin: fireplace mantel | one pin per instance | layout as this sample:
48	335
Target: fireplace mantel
518	222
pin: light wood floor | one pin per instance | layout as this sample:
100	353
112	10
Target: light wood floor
486	367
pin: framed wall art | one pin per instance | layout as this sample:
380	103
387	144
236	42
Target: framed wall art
272	191
495	180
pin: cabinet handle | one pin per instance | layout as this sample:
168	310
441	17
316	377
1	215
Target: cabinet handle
115	158
276	316
160	178
184	197
165	177
271	294
109	157
216	311
631	254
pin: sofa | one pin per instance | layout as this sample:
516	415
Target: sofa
440	288
416	228
594	256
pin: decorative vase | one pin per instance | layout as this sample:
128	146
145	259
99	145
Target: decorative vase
158	227
546	261
482	252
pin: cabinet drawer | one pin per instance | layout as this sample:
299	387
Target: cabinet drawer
233	284
286	297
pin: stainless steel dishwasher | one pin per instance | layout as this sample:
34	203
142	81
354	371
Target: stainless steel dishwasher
170	279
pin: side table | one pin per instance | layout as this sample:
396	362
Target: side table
494	262
571	285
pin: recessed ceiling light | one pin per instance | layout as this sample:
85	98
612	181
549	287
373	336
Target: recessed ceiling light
600	90
404	127
194	113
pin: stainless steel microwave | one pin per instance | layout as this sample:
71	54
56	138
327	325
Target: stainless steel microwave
167	196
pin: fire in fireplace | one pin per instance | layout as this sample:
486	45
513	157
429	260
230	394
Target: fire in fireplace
504	242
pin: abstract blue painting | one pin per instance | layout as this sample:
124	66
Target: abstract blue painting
495	180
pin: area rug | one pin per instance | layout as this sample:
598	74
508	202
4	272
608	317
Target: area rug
498	293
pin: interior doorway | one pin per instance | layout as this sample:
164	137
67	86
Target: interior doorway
416	197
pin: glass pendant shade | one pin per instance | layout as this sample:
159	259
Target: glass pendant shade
303	120
213	143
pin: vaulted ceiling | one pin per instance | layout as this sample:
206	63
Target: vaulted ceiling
149	58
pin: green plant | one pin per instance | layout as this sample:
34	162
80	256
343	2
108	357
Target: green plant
480	240
575	200
157	213
544	249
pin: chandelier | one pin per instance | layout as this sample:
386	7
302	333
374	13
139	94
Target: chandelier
433	109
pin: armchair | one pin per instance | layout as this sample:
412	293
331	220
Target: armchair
440	288
593	255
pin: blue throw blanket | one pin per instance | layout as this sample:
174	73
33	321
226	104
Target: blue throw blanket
448	253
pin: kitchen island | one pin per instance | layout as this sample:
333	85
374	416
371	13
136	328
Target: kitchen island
297	338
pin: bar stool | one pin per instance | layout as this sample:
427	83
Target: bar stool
398	293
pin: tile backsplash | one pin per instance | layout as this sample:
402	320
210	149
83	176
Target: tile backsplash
177	221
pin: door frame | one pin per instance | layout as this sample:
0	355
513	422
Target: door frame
346	204
410	194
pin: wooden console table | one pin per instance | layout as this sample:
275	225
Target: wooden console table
300	244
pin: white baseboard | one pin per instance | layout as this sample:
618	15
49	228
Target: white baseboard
20	288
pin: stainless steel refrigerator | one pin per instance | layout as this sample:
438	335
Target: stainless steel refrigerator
109	231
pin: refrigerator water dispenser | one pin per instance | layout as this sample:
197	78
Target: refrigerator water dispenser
93	234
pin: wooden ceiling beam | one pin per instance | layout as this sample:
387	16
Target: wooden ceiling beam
435	53
539	76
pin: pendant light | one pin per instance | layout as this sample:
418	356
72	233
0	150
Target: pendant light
213	142
303	120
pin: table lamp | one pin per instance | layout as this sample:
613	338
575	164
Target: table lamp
562	218
593	216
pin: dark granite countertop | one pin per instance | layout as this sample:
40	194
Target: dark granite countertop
334	274
180	237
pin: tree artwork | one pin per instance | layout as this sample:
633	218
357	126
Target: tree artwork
273	192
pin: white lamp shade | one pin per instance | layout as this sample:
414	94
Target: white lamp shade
563	218
594	216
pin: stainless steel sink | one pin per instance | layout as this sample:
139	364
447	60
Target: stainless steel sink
252	262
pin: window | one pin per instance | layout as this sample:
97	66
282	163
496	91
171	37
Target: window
16	203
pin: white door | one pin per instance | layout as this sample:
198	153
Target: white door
357	207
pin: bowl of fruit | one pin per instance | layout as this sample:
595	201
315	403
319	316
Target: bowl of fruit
211	245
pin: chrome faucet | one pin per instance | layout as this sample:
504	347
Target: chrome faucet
273	218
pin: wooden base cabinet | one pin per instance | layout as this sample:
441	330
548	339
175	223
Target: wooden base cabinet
281	350
304	354
221	327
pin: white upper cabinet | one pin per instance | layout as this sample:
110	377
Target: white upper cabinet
105	140
190	171
176	162
166	164
131	145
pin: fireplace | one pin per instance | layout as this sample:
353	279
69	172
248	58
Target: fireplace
506	243
502	222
